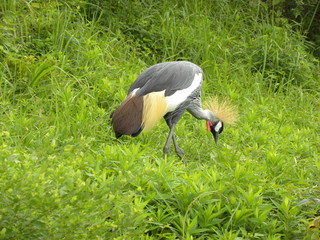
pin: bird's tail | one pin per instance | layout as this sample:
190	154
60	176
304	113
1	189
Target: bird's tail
137	113
127	118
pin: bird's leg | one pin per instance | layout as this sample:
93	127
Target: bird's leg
166	148
177	148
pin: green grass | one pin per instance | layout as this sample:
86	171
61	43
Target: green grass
65	66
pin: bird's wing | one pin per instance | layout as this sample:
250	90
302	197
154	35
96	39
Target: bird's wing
168	76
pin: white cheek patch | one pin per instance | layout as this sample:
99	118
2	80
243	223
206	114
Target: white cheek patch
218	126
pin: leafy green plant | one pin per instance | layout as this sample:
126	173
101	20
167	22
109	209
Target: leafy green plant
66	65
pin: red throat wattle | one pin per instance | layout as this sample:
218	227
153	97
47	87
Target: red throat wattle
209	124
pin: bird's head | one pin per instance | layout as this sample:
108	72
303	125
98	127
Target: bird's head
220	112
215	128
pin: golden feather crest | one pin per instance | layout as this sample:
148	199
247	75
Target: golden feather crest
224	110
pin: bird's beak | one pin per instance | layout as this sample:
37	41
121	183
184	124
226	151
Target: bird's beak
215	135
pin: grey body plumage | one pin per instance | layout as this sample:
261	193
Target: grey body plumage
168	76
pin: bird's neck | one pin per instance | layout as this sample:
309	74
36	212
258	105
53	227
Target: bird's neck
209	115
200	113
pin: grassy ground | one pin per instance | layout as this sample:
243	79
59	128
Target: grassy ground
66	66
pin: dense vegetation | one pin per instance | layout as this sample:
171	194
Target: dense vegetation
66	65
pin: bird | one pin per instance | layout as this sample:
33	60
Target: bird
167	90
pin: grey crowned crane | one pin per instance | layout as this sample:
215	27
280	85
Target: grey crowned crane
166	90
